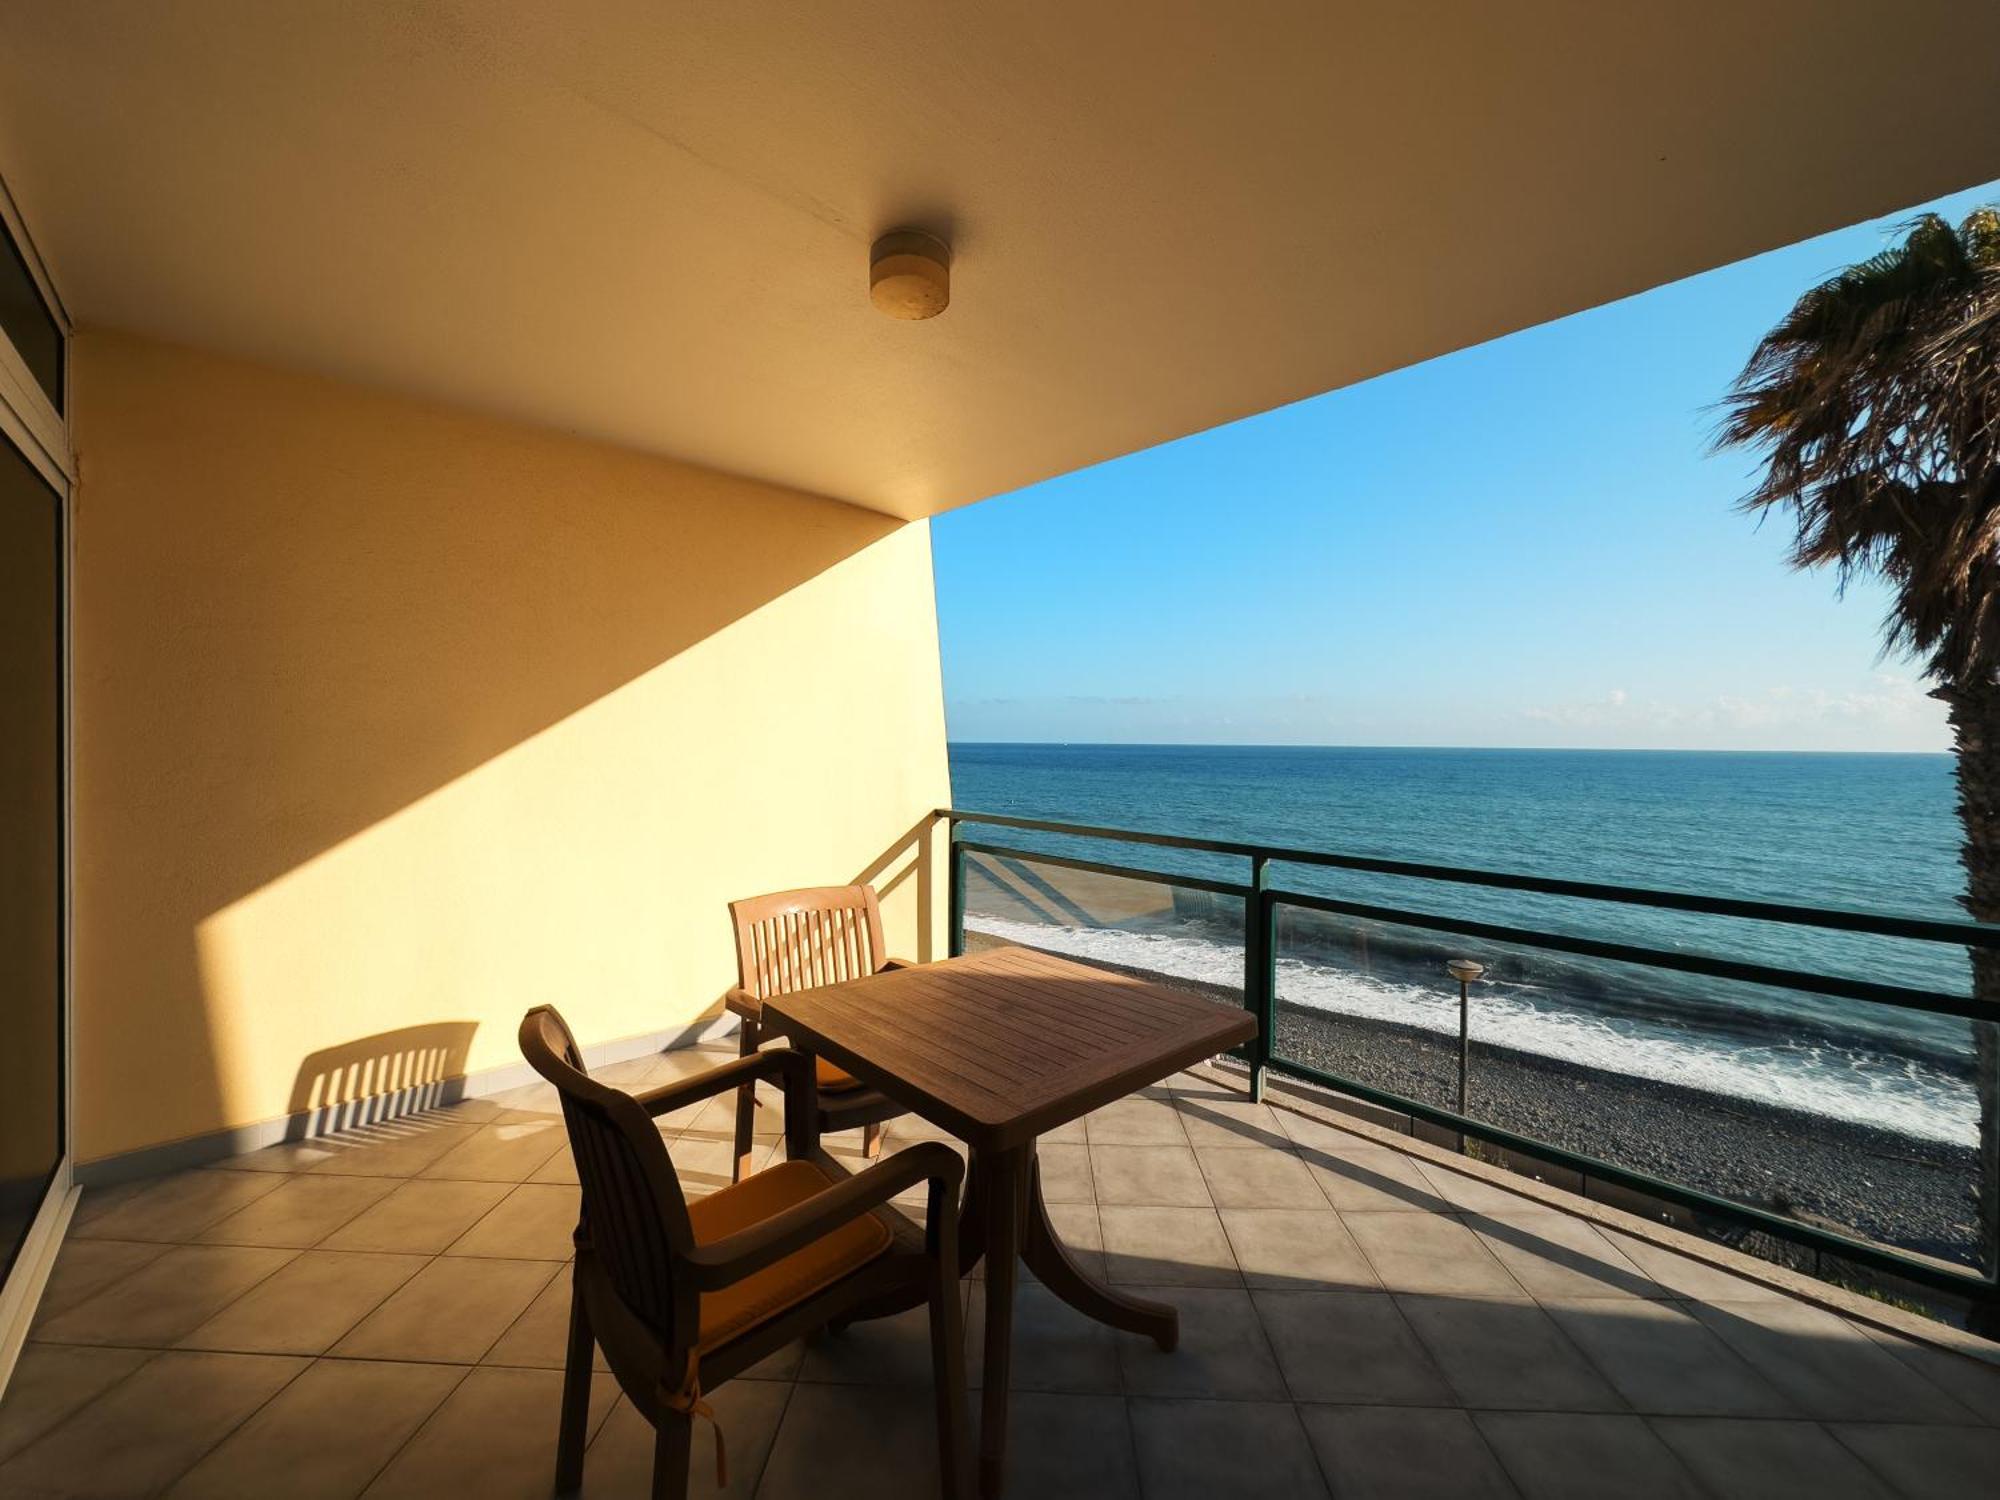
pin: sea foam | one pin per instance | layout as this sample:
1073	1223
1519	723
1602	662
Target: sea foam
1854	1083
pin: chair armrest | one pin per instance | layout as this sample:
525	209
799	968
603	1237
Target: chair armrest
898	963
774	1065
743	1003
748	1251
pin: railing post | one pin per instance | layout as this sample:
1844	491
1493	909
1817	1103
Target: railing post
1985	1319
1259	973
1464	970
955	889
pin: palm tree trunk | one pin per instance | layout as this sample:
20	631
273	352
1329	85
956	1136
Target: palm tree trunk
1975	727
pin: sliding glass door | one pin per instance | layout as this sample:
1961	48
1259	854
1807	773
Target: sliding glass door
36	1190
32	1026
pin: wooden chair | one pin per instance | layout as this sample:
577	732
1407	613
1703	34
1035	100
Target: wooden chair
681	1296
795	940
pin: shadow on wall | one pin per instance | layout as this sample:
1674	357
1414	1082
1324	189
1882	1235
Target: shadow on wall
908	871
305	608
378	1078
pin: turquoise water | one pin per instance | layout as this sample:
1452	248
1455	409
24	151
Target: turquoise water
1874	831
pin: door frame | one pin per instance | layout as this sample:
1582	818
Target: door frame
30	422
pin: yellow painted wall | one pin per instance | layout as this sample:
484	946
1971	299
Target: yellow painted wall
392	722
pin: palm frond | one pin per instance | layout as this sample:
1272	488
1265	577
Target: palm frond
1874	404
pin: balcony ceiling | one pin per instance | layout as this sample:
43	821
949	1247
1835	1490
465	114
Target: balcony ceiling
649	223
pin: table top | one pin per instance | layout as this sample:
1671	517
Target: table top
999	1047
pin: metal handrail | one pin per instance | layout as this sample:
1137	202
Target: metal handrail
1261	903
1835	918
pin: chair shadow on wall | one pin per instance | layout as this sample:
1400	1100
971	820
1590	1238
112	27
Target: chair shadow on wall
379	1078
396	1074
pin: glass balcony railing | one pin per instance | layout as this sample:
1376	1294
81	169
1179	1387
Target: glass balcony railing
1813	1084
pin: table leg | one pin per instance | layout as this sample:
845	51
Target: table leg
1006	1187
973	1219
1050	1261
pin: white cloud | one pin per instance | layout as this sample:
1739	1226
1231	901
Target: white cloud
1888	712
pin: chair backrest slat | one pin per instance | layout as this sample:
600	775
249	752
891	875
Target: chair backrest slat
634	1215
798	940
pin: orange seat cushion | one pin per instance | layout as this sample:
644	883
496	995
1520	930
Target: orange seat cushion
833	1080
759	1297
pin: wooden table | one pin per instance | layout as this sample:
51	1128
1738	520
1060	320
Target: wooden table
998	1048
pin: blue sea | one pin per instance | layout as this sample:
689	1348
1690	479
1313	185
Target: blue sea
1870	831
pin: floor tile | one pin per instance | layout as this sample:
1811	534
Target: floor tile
1258	1179
1055	1347
453	1309
1571	1456
1404	1453
306	1304
1296	1247
1069	1447
906	1130
1136	1122
1936	1463
324	1436
537	1221
146	1431
1082	1235
1827	1367
1771	1460
853	1442
1197	1450
1231	1124
1429	1253
705	1165
1664	1361
1474	1194
1554	1254
1371	1179
558	1168
84	1268
881	1351
500	1152
539	1338
171	1297
178	1208
51	1381
1166	1247
286	1156
1684	1276
1066	1174
1149	1176
1503	1353
301	1213
716	1120
1308	1132
494	1437
1349	1347
399	1148
1972	1383
619	1463
95	1201
1069	1133
419	1217
1222	1351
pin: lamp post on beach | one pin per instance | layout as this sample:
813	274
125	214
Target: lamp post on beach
1464	970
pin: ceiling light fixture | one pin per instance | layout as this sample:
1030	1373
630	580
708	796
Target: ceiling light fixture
909	274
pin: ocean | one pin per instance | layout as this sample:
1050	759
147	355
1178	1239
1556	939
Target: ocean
1870	831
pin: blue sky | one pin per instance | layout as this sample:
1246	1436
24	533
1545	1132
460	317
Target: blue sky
1524	543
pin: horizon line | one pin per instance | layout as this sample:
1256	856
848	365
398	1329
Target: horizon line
1494	749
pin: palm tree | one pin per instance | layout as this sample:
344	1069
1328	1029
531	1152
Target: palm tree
1874	407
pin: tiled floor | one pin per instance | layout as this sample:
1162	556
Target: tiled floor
382	1313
